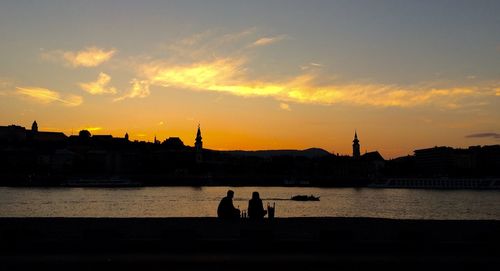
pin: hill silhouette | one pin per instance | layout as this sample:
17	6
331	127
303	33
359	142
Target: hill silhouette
309	153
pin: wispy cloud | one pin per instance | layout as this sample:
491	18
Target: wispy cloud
285	107
237	36
91	129
139	89
88	57
100	86
5	83
228	75
47	96
202	63
311	65
205	45
5	86
268	40
484	135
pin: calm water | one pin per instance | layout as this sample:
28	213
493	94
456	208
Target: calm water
196	202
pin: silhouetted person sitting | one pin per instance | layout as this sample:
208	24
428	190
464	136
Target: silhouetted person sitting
226	208
255	207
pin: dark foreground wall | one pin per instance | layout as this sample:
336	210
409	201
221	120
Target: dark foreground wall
280	244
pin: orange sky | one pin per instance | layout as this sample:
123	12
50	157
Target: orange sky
256	75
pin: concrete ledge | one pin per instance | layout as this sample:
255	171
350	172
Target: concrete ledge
209	243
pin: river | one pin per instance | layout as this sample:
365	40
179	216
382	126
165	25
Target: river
203	201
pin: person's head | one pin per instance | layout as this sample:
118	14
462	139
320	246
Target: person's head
255	195
230	194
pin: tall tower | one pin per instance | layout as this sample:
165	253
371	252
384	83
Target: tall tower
34	127
355	146
198	145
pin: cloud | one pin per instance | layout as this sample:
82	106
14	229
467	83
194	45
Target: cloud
212	36
47	96
311	66
195	38
209	43
193	65
285	107
139	89
235	37
88	57
484	135
5	86
100	86
227	75
5	83
91	129
202	75
268	40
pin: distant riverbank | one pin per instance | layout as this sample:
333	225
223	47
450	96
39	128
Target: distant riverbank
382	182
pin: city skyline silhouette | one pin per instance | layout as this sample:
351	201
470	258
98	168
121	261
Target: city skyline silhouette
36	157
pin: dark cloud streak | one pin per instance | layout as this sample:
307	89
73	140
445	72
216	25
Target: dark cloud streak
484	135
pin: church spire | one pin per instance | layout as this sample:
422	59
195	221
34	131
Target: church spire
34	127
355	146
198	145
198	136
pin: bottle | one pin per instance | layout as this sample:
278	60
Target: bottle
270	211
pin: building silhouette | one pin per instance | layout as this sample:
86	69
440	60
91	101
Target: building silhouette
198	145
355	146
39	136
173	143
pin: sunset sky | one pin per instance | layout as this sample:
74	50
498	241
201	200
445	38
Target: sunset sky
257	74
